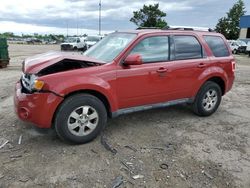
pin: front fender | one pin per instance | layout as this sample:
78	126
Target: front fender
69	84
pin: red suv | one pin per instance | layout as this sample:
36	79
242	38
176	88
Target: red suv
125	72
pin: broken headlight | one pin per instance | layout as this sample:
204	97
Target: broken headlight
31	82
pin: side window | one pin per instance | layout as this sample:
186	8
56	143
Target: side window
217	45
187	47
153	49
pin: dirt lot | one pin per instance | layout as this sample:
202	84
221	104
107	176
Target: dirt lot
169	147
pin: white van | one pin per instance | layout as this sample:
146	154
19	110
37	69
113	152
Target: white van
73	43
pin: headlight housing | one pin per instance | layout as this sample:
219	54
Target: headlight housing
31	83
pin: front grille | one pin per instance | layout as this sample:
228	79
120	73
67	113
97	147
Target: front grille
26	82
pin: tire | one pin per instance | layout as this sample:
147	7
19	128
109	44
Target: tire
84	48
208	99
80	118
75	49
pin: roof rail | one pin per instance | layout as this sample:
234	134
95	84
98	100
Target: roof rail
179	28
187	29
140	28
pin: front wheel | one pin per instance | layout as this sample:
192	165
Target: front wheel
208	99
80	118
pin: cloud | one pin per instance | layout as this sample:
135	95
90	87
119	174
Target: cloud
21	28
47	9
115	13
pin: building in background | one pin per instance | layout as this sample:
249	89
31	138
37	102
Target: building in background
245	27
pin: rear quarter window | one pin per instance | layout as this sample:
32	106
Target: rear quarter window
217	46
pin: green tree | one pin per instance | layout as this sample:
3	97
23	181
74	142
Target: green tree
229	25
149	16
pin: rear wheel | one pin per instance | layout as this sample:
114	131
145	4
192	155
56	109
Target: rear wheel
80	118
208	99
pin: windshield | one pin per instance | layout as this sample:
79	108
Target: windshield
92	38
70	40
109	47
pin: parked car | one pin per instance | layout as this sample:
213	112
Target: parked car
91	40
125	72
238	46
33	41
248	48
73	43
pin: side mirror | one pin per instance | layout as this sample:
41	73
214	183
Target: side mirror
78	40
134	59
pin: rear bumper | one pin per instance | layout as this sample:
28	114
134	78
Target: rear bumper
230	83
37	108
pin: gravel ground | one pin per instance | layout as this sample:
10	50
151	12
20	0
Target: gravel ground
168	147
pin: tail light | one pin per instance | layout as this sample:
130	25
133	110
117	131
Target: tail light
233	63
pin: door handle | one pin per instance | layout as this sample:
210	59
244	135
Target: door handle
162	70
201	65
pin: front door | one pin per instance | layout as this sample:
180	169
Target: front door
145	84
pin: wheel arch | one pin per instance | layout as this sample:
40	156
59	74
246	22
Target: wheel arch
95	93
218	80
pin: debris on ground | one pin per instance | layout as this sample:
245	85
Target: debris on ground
207	174
1	176
15	156
127	166
20	140
107	146
164	166
117	182
138	176
3	142
131	147
94	151
207	150
24	179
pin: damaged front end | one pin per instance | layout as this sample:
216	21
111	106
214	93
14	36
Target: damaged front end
37	96
34	69
30	83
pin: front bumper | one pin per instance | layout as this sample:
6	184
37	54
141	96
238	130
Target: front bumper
65	47
37	108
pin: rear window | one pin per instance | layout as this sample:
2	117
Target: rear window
187	47
217	45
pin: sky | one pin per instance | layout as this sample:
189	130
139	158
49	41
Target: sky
55	16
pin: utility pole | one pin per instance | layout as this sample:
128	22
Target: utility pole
77	23
100	11
67	28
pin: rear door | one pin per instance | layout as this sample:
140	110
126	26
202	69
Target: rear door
188	62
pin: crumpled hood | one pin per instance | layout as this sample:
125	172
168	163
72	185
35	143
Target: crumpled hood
33	65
